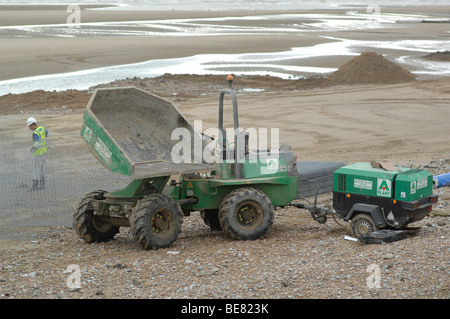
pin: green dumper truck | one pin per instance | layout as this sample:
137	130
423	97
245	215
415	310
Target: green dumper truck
137	134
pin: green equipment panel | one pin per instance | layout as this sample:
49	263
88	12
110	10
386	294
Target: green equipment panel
402	184
413	185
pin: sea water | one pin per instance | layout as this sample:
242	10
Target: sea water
237	4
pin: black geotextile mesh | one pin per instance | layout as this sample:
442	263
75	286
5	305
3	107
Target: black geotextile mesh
315	177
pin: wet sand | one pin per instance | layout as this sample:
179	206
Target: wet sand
22	57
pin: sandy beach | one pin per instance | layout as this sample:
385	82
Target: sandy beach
398	116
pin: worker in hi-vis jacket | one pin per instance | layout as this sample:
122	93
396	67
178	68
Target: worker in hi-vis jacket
39	151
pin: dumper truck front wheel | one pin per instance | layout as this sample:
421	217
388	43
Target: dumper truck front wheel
246	214
89	227
362	224
156	221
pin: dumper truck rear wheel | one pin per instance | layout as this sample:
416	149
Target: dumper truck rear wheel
156	221
362	224
246	214
88	226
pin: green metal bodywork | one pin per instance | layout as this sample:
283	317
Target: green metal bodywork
261	174
211	192
103	146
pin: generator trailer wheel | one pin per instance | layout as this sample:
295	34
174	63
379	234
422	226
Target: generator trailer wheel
362	224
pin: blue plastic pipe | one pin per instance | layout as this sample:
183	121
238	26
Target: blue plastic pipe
442	180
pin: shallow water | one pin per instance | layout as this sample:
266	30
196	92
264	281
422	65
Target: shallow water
239	4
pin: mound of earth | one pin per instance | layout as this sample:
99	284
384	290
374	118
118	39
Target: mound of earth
443	56
188	85
371	68
41	100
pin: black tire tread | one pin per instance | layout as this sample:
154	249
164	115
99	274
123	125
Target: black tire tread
82	220
231	201
357	217
138	226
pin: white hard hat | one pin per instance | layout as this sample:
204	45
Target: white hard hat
30	121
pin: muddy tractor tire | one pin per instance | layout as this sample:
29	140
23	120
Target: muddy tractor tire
88	226
246	214
156	221
211	218
362	224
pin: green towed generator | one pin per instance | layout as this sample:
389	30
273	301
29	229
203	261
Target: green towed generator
374	196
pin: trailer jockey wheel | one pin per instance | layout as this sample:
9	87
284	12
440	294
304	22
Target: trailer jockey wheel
246	213
362	224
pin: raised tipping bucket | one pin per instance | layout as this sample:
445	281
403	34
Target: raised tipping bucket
129	132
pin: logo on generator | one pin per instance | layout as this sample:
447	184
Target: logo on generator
413	187
384	187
